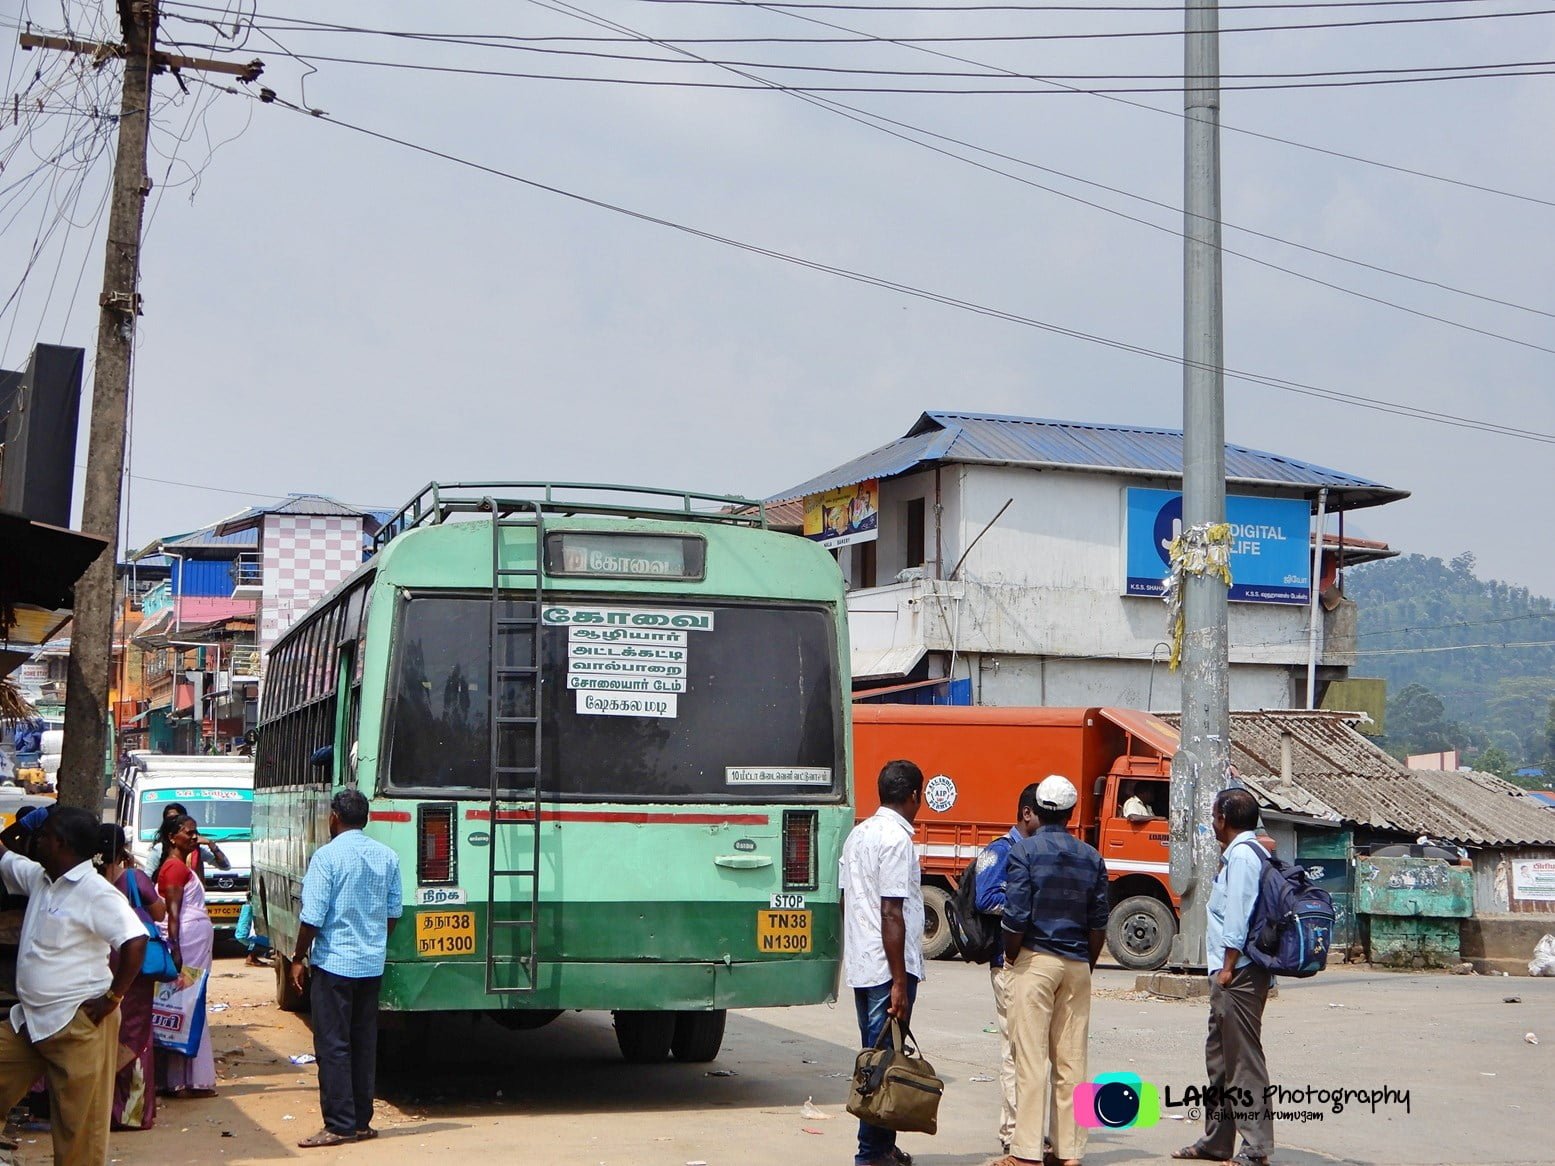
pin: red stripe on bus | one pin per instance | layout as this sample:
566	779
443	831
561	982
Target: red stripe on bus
390	815
635	818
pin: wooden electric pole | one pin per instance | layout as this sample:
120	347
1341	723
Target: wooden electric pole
81	769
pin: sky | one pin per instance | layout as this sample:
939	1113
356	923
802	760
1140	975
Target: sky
328	311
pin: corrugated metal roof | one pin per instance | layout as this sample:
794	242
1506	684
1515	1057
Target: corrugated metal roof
1339	774
1074	445
208	540
308	504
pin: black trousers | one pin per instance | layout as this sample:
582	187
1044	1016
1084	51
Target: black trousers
345	1041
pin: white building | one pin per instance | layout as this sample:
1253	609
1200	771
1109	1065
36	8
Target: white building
998	555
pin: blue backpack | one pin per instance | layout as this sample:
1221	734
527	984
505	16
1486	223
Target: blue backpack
1292	925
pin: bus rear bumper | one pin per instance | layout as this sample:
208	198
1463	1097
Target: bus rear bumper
460	986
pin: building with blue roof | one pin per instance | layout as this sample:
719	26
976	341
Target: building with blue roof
1016	560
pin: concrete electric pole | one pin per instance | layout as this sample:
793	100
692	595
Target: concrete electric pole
80	781
1199	770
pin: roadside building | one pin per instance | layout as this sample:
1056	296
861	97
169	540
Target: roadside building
1331	796
1016	561
226	591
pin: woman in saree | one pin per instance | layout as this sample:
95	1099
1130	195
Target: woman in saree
193	939
134	1092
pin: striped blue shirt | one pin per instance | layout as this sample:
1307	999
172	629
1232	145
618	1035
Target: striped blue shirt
1055	893
351	891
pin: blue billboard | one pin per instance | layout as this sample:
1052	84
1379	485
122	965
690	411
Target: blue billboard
1271	551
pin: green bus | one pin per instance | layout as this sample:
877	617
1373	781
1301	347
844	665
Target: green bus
605	728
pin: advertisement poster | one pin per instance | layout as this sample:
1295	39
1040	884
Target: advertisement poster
1271	550
1533	879
843	517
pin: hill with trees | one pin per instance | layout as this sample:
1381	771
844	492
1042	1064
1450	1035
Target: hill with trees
1470	662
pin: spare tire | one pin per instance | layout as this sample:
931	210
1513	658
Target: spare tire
1140	931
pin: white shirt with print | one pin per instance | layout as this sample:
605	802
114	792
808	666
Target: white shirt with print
879	862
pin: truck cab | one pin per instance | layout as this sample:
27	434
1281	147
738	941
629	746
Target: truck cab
977	760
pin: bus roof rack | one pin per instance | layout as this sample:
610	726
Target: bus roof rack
437	502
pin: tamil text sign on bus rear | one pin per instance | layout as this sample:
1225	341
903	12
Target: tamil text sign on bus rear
627	662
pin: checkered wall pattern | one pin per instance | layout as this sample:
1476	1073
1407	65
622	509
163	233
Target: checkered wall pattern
304	556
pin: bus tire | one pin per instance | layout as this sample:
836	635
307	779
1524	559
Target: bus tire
645	1037
698	1035
1140	931
287	998
936	925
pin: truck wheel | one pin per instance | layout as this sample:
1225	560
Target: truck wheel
287	998
645	1037
936	925
698	1035
1140	931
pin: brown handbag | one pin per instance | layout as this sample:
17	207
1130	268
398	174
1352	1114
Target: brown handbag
893	1087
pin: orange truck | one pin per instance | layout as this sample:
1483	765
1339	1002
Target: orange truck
977	760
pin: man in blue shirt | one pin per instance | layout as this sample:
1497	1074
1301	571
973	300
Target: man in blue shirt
1055	923
991	873
1239	988
350	904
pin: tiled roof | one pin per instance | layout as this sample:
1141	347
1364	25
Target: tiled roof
1073	445
1340	775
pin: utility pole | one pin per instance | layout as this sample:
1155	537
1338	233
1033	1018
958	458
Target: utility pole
1200	768
80	781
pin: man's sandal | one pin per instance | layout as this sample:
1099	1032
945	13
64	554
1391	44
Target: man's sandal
326	1138
366	1134
1196	1153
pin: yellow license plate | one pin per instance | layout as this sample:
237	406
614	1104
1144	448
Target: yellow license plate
782	932
219	912
440	933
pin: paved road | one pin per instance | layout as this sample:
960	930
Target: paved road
561	1095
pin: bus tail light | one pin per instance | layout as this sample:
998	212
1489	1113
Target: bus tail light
799	850
435	846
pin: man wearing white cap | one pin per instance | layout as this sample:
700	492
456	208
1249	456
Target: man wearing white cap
1055	923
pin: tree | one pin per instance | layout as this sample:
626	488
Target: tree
1418	722
1494	760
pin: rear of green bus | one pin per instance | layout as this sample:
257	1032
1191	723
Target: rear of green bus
693	722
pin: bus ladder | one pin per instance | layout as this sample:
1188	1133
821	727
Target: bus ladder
513	916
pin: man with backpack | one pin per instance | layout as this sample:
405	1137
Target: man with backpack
989	874
1239	988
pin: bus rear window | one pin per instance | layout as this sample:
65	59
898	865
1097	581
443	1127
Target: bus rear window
222	814
703	702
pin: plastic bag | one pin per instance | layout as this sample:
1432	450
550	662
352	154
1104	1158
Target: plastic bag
1543	962
178	1012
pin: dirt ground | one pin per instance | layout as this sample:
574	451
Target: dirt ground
1479	1092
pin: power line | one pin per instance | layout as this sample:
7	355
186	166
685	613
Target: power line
1453	648
860	37
1046	8
869	120
1264	380
508	40
1490	72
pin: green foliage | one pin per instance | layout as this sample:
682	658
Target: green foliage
1470	663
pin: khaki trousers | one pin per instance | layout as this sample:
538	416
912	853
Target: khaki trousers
1050	1021
1001	1005
79	1063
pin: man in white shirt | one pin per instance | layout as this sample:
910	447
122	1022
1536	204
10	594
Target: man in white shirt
1134	807
66	1027
882	918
